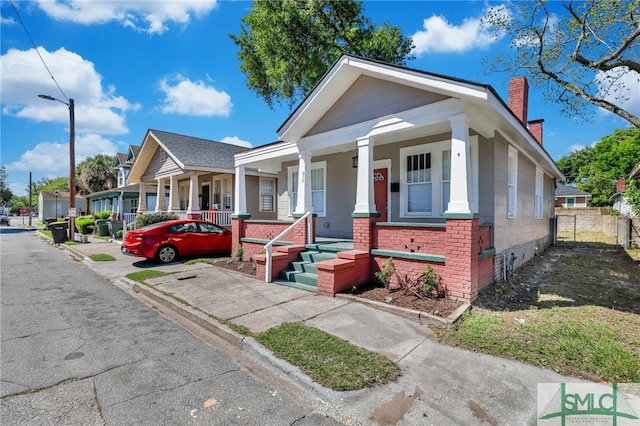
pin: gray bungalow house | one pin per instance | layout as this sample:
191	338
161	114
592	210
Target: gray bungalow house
399	163
196	179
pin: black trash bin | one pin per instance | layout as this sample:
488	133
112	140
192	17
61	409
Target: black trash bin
59	231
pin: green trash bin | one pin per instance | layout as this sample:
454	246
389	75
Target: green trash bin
114	227
103	227
59	231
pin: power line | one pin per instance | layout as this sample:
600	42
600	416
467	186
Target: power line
36	49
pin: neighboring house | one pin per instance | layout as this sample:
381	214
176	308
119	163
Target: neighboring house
197	179
56	204
404	164
618	199
122	200
571	198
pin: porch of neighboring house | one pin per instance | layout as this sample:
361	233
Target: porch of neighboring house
192	195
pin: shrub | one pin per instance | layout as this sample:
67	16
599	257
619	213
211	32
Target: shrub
239	253
386	272
427	284
103	215
119	233
148	219
85	225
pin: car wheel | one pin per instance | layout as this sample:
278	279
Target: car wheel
166	254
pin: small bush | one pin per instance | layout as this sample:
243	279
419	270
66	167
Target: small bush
148	219
239	252
103	215
119	233
85	225
386	272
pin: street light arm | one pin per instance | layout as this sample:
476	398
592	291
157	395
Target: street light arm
51	98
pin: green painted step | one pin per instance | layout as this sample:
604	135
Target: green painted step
299	286
315	256
301	266
300	277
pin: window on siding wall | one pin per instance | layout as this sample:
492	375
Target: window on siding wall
571	202
267	194
418	182
134	205
227	200
318	188
539	192
512	183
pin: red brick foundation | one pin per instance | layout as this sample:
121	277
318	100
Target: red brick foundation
461	258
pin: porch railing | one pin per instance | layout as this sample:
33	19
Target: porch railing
217	217
129	217
269	246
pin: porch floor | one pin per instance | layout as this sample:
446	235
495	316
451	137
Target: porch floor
334	245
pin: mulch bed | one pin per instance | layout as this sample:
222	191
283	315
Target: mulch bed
436	306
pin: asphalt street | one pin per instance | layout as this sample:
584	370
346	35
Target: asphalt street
77	350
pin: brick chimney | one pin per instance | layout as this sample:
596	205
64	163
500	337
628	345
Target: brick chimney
519	97
622	184
535	127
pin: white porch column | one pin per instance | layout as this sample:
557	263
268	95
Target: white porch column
365	202
142	198
174	197
240	201
194	201
460	186
305	202
160	202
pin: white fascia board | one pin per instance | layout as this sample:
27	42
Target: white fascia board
135	175
428	82
267	153
420	116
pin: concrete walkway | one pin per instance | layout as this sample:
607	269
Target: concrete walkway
439	385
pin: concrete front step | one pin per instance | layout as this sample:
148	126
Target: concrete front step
315	256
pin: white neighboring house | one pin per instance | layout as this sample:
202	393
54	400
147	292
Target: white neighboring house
619	200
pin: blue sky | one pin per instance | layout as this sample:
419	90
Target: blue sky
170	65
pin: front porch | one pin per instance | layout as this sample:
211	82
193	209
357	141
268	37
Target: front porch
459	250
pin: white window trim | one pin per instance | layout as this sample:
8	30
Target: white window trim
574	202
512	183
314	166
273	194
539	199
435	149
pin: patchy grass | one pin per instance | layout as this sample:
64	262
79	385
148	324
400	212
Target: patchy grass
101	257
198	260
142	276
574	309
45	233
328	360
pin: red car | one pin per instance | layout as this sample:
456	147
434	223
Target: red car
166	241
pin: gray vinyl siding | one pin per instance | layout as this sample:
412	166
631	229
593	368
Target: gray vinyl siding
158	168
253	200
486	176
525	228
370	98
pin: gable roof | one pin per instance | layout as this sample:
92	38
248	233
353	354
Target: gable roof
485	111
121	159
567	191
188	152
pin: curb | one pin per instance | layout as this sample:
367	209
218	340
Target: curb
194	315
410	314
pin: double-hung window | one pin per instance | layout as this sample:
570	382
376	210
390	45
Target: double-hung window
419	185
446	179
318	176
539	191
512	183
267	194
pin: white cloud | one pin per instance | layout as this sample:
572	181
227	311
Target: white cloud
7	21
23	77
150	16
620	87
576	147
440	36
234	140
52	158
196	98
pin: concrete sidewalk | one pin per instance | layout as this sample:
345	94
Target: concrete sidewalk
439	385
